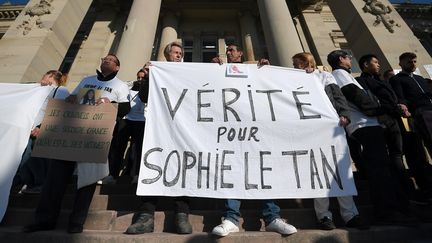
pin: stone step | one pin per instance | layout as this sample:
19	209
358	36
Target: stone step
96	220
377	234
117	202
124	186
202	221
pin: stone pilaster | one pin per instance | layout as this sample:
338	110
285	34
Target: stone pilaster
279	31
39	38
101	40
324	33
137	40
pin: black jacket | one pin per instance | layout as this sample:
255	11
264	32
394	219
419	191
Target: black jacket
338	100
412	91
144	89
383	91
364	100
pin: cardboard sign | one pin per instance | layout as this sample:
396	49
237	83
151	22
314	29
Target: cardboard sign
76	132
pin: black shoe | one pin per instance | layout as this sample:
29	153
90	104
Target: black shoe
326	223
182	224
358	223
74	228
141	223
39	227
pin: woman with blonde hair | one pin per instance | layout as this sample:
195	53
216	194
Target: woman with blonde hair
32	170
348	209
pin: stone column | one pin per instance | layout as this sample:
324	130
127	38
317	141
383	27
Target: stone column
137	40
387	38
39	38
222	48
250	37
169	33
279	31
101	40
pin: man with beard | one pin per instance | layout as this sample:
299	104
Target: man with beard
111	89
270	211
413	91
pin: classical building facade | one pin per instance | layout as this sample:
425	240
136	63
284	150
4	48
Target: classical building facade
72	35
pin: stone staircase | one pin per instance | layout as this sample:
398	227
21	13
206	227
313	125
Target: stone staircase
112	209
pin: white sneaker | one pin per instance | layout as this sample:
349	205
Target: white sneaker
225	228
280	226
108	180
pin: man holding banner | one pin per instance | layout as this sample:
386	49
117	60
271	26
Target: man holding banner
143	221
108	88
270	210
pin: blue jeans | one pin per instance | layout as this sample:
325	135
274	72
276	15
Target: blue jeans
32	170
270	211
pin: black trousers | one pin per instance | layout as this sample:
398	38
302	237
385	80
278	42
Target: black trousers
423	128
148	206
394	143
124	130
48	209
382	185
415	156
355	153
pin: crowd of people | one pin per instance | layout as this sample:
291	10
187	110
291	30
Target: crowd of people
384	119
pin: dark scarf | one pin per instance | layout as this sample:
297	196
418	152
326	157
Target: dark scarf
346	69
101	77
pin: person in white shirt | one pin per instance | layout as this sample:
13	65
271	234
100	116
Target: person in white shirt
110	89
131	126
347	207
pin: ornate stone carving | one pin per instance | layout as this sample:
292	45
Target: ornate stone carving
318	6
34	14
42	8
381	12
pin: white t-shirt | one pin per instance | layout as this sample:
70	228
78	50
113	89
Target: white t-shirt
326	78
58	93
136	112
358	119
114	89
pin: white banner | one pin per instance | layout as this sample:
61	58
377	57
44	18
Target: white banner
238	131
19	105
